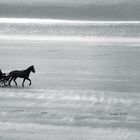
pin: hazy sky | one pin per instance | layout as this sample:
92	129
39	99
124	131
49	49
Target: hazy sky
68	2
72	9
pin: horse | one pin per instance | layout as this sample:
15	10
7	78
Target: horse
13	75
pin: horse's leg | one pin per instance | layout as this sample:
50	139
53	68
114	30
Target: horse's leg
10	81
14	79
29	81
23	82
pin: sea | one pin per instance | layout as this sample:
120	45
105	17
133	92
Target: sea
87	79
70	30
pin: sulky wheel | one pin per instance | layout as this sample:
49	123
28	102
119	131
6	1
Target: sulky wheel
2	84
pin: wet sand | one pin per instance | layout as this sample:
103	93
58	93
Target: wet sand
79	91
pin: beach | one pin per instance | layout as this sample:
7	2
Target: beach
81	90
86	82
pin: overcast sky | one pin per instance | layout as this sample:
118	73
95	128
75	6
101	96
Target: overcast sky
72	9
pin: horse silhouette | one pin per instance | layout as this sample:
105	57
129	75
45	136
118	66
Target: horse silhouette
13	75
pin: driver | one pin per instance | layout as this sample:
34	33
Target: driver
1	74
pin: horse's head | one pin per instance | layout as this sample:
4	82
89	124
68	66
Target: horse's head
32	68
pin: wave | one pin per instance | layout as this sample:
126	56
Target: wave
97	40
51	21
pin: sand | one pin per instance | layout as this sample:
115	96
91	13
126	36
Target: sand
80	91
